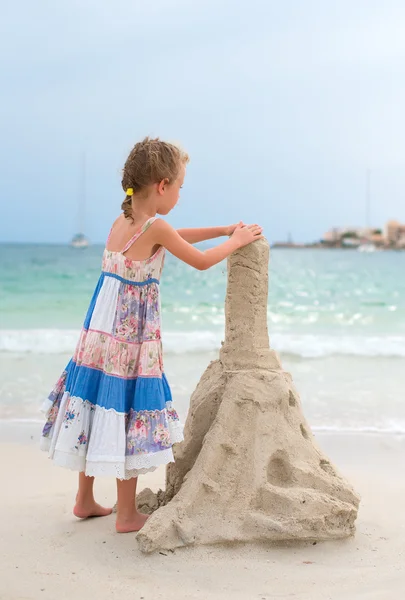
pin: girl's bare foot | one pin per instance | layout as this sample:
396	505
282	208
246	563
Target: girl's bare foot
86	506
133	523
128	518
92	509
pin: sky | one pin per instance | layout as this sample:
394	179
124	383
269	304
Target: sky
282	106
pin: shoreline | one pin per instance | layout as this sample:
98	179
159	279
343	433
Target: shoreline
27	431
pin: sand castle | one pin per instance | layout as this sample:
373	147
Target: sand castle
249	468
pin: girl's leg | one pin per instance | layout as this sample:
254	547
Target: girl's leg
85	505
128	518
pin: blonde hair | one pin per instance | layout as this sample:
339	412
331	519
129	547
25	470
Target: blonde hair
150	161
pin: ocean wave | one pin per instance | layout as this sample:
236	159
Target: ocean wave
62	341
394	429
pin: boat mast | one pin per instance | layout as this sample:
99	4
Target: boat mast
81	210
368	198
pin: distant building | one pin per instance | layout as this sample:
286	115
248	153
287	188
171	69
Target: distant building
378	239
331	237
353	237
395	234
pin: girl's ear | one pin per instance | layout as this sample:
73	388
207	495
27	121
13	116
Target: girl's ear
162	186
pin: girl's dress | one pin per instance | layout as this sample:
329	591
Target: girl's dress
110	413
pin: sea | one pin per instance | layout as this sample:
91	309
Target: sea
335	317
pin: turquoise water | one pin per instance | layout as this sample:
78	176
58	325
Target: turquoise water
51	287
337	318
320	301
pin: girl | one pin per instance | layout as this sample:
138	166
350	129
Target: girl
110	413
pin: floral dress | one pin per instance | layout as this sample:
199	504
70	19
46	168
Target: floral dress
110	413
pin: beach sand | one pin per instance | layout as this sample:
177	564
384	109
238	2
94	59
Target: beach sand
47	554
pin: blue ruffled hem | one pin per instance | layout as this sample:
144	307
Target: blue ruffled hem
110	392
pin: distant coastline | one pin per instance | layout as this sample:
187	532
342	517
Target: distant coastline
366	239
320	246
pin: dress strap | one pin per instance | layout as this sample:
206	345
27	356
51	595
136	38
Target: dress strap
109	235
138	234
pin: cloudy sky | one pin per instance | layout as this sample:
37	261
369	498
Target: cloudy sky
283	106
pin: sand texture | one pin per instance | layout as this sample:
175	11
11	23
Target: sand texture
249	469
47	554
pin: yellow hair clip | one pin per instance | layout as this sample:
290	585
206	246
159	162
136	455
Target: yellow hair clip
130	192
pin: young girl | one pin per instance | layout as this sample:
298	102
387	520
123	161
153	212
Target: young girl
110	413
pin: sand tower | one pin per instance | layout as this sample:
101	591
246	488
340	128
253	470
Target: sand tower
249	468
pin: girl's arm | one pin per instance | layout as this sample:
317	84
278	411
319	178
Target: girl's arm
166	236
200	234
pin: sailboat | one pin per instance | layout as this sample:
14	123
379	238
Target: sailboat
79	240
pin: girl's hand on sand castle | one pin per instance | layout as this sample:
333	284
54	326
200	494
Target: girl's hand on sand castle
231	228
245	234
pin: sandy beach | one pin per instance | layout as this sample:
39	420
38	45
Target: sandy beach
46	553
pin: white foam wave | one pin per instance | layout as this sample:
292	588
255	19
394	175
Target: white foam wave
39	341
394	429
62	341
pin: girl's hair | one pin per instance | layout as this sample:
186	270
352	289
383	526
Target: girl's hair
150	161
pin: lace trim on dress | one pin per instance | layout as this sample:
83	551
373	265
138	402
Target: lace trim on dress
133	466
